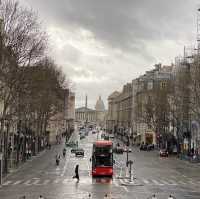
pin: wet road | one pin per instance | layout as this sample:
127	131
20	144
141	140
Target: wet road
41	176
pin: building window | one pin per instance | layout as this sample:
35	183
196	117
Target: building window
163	85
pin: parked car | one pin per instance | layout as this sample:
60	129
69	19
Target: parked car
79	152
93	132
150	147
82	136
106	137
146	147
73	150
86	133
70	144
143	147
163	153
127	149
119	150
112	136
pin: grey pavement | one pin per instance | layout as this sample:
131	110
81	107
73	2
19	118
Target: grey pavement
162	176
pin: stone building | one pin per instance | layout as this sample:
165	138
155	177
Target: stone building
126	109
93	116
120	110
63	121
111	122
69	113
100	112
144	89
84	114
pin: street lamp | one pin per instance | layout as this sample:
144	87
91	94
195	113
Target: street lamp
1	167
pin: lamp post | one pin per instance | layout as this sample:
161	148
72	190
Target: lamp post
1	168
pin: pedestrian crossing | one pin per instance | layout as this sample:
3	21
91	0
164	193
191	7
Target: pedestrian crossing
88	180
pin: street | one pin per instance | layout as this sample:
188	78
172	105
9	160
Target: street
152	174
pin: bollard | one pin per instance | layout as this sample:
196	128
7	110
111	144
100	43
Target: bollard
130	162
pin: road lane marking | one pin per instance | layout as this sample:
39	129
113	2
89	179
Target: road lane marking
17	182
56	181
28	183
115	183
156	182
173	182
191	182
145	181
167	183
45	182
124	187
7	183
181	182
36	182
57	169
65	167
67	180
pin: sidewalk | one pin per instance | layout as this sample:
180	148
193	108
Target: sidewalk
27	162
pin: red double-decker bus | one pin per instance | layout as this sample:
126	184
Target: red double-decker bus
102	159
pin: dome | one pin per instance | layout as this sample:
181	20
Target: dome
100	105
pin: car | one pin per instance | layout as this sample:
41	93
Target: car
119	150
86	133
79	152
127	149
73	150
163	153
70	144
82	136
112	136
93	132
106	137
143	147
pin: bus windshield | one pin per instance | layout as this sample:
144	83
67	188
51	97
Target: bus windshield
103	156
103	160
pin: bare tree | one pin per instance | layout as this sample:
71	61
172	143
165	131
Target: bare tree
22	32
22	44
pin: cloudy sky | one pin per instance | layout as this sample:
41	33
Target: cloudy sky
103	44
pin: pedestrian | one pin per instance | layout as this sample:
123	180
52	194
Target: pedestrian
64	152
153	196
106	196
76	173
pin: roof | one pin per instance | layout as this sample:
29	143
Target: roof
84	109
100	105
103	143
114	94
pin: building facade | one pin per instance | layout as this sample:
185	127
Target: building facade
85	115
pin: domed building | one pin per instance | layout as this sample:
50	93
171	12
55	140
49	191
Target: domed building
100	112
97	116
99	105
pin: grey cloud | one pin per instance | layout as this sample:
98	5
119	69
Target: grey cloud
122	24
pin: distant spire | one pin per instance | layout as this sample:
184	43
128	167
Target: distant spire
86	101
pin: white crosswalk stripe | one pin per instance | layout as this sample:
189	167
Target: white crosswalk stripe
17	182
145	181
28	182
88	180
7	183
157	183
